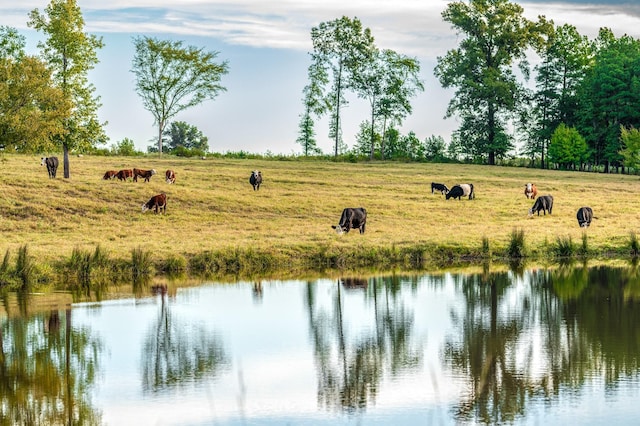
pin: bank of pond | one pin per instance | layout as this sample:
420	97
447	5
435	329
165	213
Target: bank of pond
490	343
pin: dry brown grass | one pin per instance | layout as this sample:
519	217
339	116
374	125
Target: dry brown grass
213	207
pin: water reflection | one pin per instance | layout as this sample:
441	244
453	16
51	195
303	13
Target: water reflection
47	368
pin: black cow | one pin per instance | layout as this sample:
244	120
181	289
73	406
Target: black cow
461	190
52	165
440	187
255	179
584	215
352	218
544	203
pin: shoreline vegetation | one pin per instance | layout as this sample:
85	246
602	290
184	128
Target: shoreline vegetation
71	233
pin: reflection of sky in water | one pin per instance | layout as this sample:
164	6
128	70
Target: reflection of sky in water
272	375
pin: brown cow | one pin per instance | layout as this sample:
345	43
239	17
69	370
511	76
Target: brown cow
170	176
156	202
110	174
124	174
530	191
146	174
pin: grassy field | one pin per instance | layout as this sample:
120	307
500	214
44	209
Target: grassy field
214	212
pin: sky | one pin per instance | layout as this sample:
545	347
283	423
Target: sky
267	45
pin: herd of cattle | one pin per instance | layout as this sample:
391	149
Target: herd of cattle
352	217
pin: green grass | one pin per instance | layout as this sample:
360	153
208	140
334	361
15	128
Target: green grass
216	223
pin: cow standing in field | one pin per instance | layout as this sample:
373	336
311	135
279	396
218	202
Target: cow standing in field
461	190
156	202
255	179
170	176
52	165
585	216
440	187
146	174
110	174
530	191
352	218
124	174
544	203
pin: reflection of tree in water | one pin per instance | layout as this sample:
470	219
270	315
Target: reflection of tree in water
175	353
587	327
47	369
351	366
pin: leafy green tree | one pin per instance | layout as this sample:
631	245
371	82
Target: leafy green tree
495	36
568	148
631	147
314	104
387	80
365	140
71	53
171	78
181	134
610	95
125	147
435	148
340	46
566	56
32	108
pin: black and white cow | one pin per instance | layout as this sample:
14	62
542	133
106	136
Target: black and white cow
544	203
440	187
585	216
352	218
52	165
255	179
461	190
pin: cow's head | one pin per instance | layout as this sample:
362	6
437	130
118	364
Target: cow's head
42	160
153	172
531	212
339	229
529	187
145	207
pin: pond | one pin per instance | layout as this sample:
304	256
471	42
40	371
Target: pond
539	346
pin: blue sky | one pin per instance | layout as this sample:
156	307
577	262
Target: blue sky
267	45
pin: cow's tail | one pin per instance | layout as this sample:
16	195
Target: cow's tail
472	194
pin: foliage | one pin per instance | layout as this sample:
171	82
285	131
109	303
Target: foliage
171	78
496	35
568	148
631	147
183	135
516	248
71	54
125	147
315	103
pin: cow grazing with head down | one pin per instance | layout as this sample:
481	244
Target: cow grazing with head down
52	165
146	174
440	187
461	190
170	176
530	191
156	202
255	179
585	216
124	174
110	174
352	218
544	203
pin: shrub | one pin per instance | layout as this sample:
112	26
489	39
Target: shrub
634	244
564	247
516	248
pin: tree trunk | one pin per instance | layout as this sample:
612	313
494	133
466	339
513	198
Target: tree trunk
65	160
160	128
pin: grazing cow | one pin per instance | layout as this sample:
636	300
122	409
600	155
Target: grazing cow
255	179
544	203
52	165
146	174
156	202
440	187
530	191
110	174
585	215
124	174
461	190
352	218
170	176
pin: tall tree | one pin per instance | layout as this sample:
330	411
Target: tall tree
185	135
315	103
32	108
71	53
496	36
631	147
171	78
340	45
387	80
566	56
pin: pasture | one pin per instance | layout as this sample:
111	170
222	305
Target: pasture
212	208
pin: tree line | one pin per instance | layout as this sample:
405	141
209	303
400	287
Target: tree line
576	108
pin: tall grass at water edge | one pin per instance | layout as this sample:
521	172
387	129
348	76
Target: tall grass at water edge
216	223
